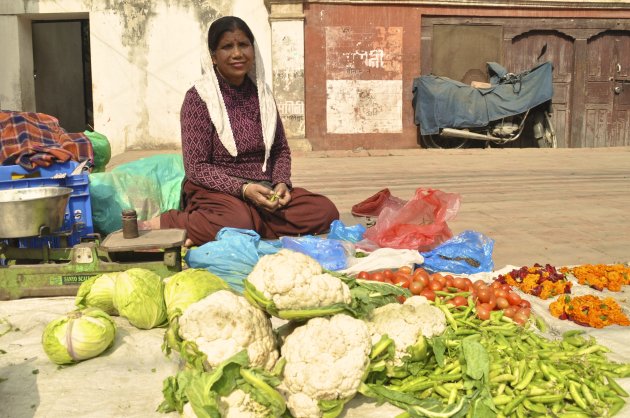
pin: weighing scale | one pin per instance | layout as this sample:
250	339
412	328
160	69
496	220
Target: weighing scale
60	270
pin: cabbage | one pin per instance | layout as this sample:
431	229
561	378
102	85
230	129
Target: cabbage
98	292
78	336
189	286
139	297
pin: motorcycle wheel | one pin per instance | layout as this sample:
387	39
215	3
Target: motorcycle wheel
548	139
442	142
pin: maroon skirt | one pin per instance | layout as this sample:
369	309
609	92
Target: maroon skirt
205	212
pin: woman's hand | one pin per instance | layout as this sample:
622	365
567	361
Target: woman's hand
282	192
266	198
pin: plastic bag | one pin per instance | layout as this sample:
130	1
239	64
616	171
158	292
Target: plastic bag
102	150
332	254
339	231
469	252
150	185
420	224
232	256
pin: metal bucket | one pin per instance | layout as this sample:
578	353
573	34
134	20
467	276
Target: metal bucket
33	211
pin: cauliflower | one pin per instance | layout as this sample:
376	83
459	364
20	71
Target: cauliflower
238	404
223	323
292	285
326	360
406	323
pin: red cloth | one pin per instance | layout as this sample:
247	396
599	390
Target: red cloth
373	205
37	139
206	212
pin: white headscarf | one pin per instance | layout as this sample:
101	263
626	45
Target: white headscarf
210	93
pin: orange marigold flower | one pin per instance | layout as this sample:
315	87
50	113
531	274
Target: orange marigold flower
601	276
544	282
589	311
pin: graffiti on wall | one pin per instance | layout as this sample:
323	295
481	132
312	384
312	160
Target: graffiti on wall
363	79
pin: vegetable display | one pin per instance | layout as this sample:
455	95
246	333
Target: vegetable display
139	297
292	285
326	360
78	336
223	324
98	292
495	368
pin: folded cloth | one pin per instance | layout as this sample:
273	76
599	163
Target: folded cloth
374	204
37	140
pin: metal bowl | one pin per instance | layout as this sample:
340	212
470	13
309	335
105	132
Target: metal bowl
32	212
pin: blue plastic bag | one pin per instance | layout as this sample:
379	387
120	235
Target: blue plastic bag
330	253
467	253
232	256
338	230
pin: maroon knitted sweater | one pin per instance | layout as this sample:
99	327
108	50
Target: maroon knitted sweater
207	162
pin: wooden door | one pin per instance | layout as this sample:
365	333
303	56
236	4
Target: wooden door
528	49
606	119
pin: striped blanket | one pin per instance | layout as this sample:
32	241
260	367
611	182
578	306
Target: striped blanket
37	140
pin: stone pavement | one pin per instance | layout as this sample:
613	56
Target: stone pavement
557	206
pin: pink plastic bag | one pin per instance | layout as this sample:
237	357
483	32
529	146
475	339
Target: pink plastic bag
420	224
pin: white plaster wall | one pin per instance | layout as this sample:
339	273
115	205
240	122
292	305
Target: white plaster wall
10	96
141	66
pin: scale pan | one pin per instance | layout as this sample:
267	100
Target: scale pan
33	211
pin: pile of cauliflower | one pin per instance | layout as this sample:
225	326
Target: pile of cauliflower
247	370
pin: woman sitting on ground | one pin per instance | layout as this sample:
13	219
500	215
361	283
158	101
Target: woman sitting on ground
236	156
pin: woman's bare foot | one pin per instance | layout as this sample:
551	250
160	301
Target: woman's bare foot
188	243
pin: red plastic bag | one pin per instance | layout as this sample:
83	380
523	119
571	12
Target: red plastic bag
420	224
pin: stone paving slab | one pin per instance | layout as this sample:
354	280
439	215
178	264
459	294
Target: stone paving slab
557	206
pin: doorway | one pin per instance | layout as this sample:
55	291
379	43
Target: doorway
62	73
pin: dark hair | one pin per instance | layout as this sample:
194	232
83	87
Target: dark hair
226	24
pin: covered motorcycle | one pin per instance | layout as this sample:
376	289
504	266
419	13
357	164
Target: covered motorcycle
451	113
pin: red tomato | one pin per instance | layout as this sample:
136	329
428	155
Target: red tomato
483	312
460	283
428	293
449	281
479	283
495	285
401	279
484	294
513	298
524	311
506	287
502	303
401	299
510	311
492	302
378	276
520	318
364	275
525	304
439	278
459	301
420	272
500	293
416	288
435	285
404	269
388	274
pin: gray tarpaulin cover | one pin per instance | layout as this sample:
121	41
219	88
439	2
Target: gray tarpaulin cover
126	380
440	102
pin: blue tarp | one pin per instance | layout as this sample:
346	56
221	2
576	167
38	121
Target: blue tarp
440	102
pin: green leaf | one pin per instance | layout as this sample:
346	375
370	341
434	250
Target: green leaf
477	359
